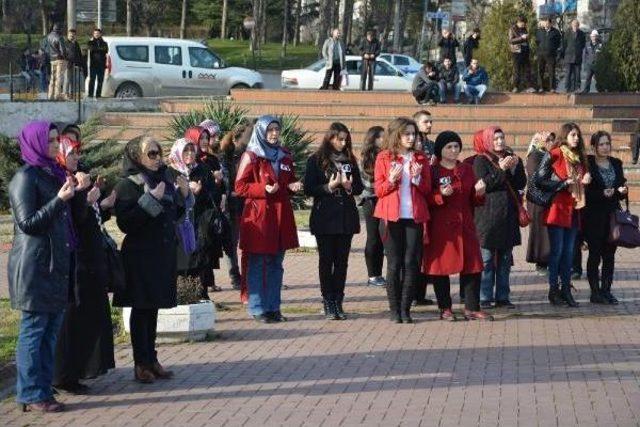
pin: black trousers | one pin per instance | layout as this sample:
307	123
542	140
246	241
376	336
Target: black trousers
373	250
426	92
368	71
521	70
469	282
547	73
335	71
635	148
587	82
144	323
333	253
96	76
572	77
403	248
576	267
600	250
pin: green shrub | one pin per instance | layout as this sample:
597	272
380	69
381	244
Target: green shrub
494	53
10	161
618	68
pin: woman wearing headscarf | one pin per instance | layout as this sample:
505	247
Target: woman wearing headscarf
266	178
40	262
457	251
497	219
85	345
148	204
201	212
538	242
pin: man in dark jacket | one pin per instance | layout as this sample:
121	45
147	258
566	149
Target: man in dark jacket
589	56
98	50
471	44
573	44
425	85
449	77
74	59
369	49
519	46
448	45
548	40
58	56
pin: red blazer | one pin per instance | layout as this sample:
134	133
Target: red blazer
456	250
388	205
560	213
267	225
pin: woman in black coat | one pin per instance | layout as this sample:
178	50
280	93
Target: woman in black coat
85	345
332	178
538	242
148	205
603	195
497	220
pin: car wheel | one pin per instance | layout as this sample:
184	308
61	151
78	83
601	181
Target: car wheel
240	86
129	90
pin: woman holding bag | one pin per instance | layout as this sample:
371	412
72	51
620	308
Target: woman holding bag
603	195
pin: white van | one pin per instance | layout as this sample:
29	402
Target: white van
149	66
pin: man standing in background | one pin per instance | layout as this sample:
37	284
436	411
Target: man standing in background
369	49
98	50
58	56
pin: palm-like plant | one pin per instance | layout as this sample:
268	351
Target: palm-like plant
225	113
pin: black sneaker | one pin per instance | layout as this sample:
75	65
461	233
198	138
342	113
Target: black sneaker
425	301
486	304
262	318
506	304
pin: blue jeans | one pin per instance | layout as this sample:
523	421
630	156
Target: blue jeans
449	87
562	242
264	280
475	93
35	354
497	268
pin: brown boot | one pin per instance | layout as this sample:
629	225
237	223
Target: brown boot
160	372
143	374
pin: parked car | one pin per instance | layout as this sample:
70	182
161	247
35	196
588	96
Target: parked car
387	76
404	63
148	66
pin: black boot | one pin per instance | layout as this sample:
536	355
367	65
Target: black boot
330	310
405	304
596	297
339	310
567	297
606	293
394	303
554	296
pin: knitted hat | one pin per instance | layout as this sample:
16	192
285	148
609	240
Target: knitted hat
443	139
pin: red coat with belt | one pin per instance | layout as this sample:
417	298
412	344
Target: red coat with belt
454	247
267	225
388	205
560	213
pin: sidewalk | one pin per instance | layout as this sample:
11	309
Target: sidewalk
535	366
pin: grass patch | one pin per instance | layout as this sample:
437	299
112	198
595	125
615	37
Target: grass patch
237	53
9	327
302	218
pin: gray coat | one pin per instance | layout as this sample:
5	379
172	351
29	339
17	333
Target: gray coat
590	53
57	46
39	261
327	52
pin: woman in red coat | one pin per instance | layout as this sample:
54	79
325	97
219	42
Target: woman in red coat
402	183
456	249
564	172
266	179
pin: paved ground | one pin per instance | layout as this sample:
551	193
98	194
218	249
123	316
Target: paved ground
538	365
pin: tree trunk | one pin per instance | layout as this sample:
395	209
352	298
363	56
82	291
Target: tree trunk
323	22
223	24
387	26
43	17
285	11
263	21
347	21
71	14
254	31
129	18
296	26
396	26
423	30
183	20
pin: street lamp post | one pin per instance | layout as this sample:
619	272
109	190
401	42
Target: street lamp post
249	23
99	14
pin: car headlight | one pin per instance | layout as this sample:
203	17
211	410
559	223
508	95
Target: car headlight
292	81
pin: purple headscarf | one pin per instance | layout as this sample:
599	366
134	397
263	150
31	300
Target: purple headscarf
34	148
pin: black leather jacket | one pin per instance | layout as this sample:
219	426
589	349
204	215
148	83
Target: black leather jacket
39	261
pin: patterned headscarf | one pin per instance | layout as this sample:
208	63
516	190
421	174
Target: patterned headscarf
259	145
212	126
177	162
538	141
67	146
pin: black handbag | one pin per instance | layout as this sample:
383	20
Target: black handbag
116	281
623	228
535	193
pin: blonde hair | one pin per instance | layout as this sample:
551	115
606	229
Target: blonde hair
394	132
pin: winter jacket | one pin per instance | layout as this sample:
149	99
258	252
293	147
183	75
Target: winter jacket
371	47
267	225
56	46
39	260
74	54
548	42
422	79
516	43
327	52
448	47
98	50
480	77
469	46
573	44
450	75
497	220
590	53
333	212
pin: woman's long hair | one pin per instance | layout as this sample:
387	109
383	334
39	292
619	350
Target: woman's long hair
580	150
395	130
370	150
325	149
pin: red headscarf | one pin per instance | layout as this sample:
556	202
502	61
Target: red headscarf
487	140
193	134
67	146
478	144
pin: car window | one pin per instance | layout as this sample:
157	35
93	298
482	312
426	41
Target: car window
133	53
386	57
201	57
354	67
384	69
170	55
401	60
317	66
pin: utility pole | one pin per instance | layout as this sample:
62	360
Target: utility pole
99	25
71	14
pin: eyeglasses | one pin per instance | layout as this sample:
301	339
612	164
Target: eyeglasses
153	154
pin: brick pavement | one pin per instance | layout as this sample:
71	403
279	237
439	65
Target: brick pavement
536	366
